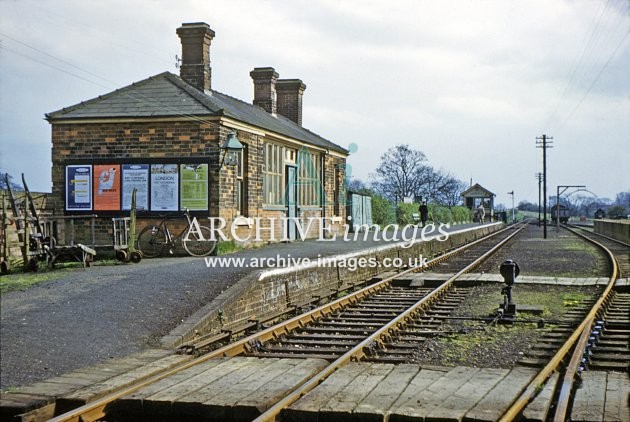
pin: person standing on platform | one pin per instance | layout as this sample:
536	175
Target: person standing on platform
481	213
424	213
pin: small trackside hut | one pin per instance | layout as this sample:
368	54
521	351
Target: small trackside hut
168	137
476	195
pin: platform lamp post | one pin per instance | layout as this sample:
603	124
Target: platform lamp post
558	193
231	150
512	193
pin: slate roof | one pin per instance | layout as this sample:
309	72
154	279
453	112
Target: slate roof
167	95
475	187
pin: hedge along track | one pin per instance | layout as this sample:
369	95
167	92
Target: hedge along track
576	342
422	299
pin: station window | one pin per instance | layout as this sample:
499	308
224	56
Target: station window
273	174
309	178
241	181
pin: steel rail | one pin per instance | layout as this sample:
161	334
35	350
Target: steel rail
359	351
562	405
612	239
531	390
97	409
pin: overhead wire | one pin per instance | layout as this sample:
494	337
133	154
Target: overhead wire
576	64
588	68
113	85
599	74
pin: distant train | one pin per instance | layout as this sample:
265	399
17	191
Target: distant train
599	214
564	213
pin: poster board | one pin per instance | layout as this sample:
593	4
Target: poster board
79	188
135	176
164	187
194	187
106	187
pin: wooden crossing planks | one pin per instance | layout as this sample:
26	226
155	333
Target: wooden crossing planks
250	406
377	392
219	389
537	410
497	401
602	397
455	406
418	406
375	405
340	407
617	406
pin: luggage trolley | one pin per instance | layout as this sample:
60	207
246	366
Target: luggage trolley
125	235
124	249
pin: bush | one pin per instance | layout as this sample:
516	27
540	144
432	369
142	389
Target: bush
437	214
461	214
382	211
404	213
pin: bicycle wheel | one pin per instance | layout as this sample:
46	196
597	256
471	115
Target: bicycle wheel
195	246
151	241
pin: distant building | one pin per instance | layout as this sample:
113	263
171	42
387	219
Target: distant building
477	194
164	136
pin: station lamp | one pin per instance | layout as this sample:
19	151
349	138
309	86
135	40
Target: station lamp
231	149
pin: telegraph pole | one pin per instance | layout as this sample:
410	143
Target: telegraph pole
544	143
539	177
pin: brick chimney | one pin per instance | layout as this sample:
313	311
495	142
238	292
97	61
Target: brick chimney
265	88
289	93
195	66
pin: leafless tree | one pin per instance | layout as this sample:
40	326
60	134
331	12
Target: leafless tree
404	172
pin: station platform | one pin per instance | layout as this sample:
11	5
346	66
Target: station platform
125	309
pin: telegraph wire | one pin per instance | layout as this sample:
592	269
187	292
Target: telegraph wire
593	29
599	74
136	96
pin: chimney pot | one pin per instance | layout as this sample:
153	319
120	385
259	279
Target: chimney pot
195	67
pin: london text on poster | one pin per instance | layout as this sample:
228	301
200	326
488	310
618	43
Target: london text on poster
164	184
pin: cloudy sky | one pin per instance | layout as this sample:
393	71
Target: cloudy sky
469	83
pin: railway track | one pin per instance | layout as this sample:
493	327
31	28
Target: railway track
350	328
384	322
588	336
619	249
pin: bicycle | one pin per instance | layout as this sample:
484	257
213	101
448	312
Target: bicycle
153	240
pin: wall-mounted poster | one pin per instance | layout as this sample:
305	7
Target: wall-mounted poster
79	188
135	176
164	186
107	187
194	187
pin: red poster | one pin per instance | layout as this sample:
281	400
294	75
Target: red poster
107	187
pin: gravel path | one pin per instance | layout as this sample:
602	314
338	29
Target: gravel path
87	316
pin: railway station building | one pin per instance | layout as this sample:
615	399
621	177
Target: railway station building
185	146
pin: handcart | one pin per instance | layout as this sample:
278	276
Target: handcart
125	235
123	246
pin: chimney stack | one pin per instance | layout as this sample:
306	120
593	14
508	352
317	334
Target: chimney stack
265	88
289	93
195	65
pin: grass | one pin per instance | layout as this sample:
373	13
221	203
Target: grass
480	344
18	280
228	247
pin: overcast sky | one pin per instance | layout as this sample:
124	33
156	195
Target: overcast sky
469	83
